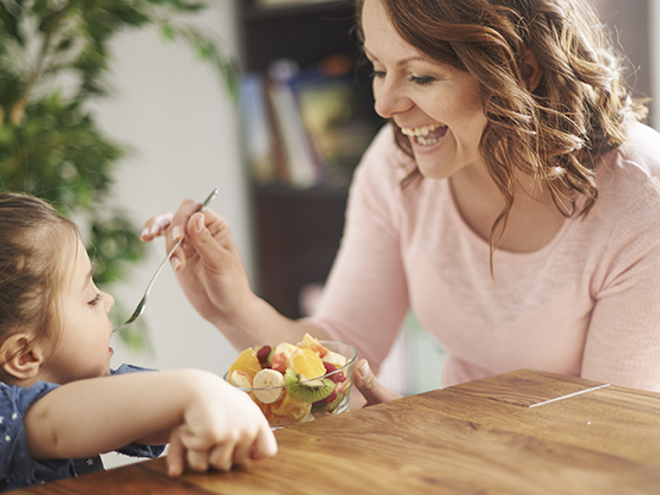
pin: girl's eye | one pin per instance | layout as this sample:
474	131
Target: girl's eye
95	301
422	80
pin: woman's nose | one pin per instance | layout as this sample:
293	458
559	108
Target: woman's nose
390	100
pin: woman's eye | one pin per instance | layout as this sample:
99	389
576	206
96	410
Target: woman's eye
377	74
422	80
96	299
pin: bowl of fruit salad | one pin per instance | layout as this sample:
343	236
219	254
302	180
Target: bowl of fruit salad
292	383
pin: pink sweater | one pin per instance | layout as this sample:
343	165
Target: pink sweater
587	304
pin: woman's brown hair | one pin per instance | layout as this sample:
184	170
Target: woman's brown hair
555	133
33	238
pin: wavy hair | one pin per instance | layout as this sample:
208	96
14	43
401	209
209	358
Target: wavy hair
555	133
33	262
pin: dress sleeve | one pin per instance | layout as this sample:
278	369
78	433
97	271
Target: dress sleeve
17	467
365	298
623	339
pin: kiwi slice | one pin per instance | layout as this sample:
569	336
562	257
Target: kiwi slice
308	390
328	406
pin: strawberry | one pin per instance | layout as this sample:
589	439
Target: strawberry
337	377
327	400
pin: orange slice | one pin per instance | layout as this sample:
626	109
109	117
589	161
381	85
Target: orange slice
247	362
291	408
307	363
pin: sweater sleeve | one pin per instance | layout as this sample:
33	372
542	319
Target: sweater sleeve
365	298
623	339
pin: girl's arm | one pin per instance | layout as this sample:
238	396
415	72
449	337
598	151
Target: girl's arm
209	421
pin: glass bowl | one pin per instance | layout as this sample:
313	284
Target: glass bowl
281	408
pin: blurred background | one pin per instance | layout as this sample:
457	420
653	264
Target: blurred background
189	137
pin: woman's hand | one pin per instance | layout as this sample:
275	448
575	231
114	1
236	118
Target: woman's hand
207	265
221	427
369	386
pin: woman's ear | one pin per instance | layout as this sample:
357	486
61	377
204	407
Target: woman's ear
20	359
532	71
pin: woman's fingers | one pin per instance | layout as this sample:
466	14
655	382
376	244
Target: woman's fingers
156	226
369	386
210	238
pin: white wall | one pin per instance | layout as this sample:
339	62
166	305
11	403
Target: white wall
172	109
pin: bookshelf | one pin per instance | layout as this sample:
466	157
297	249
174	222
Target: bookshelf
298	227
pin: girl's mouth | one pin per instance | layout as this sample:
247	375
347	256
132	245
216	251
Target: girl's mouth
427	135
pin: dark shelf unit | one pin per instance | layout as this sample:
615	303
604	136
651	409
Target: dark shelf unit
297	231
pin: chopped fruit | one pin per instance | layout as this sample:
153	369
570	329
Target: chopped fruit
266	409
282	356
328	399
343	386
307	363
263	355
292	384
268	385
335	404
309	342
330	403
240	379
333	358
307	390
247	362
335	377
292	408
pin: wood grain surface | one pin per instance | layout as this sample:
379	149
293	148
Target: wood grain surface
479	437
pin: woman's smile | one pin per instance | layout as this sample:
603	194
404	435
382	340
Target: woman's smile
437	106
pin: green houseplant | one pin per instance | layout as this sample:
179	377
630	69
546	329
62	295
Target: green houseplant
53	58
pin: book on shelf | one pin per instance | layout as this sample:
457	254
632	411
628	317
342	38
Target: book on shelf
256	129
302	127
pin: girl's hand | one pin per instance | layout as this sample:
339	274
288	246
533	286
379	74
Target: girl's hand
221	427
208	264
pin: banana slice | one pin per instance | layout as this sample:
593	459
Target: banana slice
265	379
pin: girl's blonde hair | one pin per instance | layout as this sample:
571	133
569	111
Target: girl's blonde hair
34	239
555	133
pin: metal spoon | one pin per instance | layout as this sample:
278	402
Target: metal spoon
143	302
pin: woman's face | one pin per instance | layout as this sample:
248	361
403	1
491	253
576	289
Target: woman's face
437	106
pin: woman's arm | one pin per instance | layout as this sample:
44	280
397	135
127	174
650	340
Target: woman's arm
623	339
210	271
209	421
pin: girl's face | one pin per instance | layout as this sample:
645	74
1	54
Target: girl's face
437	106
83	350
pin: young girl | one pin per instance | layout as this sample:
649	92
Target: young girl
59	408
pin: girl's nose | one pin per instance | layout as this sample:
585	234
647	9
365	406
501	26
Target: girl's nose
109	302
390	100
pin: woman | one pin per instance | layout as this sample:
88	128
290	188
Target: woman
510	203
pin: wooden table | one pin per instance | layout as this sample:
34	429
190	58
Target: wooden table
497	436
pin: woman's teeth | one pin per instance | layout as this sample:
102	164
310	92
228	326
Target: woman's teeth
421	134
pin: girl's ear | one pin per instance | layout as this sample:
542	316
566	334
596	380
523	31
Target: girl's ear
19	359
532	71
